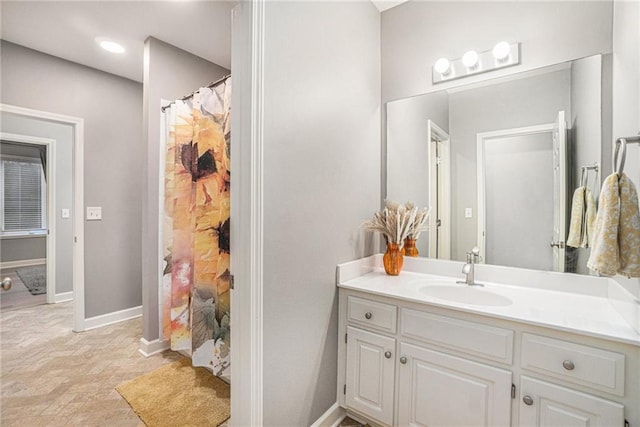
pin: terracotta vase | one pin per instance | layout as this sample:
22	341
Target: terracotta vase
410	247
392	259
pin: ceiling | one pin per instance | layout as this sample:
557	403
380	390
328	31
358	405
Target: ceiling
383	5
68	29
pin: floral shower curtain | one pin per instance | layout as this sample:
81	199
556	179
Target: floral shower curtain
196	278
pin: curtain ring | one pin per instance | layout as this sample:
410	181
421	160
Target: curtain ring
618	168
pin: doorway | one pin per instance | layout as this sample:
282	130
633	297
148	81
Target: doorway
62	137
439	161
27	220
526	169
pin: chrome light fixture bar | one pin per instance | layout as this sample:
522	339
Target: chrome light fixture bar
502	55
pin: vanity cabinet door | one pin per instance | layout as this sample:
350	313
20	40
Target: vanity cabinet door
545	404
436	389
370	374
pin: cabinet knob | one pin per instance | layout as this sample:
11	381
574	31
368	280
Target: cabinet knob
568	365
367	315
403	360
387	354
528	400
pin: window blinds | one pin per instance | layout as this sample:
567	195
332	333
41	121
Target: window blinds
22	195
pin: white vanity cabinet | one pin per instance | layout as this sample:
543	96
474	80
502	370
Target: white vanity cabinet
405	363
391	379
546	404
437	389
370	374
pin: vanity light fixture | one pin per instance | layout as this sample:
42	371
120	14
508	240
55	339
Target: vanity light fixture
502	55
110	45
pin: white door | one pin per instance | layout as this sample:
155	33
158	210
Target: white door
436	389
548	405
559	192
370	374
439	192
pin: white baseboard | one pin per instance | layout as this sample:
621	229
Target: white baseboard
63	297
22	263
149	348
110	318
332	417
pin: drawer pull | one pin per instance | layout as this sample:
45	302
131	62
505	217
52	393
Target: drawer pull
403	360
367	315
568	365
387	354
528	400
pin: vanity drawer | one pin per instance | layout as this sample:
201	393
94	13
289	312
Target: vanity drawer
576	363
484	341
372	314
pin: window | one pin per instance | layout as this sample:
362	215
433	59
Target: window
23	200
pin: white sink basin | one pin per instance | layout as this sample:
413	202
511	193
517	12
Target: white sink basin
472	295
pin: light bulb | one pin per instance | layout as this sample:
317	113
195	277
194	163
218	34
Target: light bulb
442	66
111	46
470	59
501	51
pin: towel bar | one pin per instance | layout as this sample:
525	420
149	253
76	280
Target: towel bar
621	147
584	175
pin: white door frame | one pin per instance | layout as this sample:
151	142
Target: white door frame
77	215
444	246
50	173
482	139
247	141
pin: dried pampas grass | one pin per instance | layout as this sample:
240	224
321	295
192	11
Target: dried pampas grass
396	222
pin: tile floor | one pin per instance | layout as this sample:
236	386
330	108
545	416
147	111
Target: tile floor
18	296
51	376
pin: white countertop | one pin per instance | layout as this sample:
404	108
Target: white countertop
585	314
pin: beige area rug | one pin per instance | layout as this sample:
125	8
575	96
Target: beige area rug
178	394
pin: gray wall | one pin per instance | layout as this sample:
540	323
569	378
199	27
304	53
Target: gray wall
170	73
321	175
111	108
626	93
63	135
491	108
23	248
408	148
417	33
586	130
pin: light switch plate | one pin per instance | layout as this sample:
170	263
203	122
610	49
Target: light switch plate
94	213
65	213
468	213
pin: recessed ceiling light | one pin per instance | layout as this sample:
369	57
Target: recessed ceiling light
111	46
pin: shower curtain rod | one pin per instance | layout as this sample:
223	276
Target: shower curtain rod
210	85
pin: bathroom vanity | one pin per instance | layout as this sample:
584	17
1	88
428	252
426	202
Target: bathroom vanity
529	348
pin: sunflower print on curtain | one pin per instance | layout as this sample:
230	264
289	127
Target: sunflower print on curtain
196	279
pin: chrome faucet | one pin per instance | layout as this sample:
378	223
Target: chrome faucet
473	258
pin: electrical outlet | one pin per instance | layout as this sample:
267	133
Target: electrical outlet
66	213
468	213
94	213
